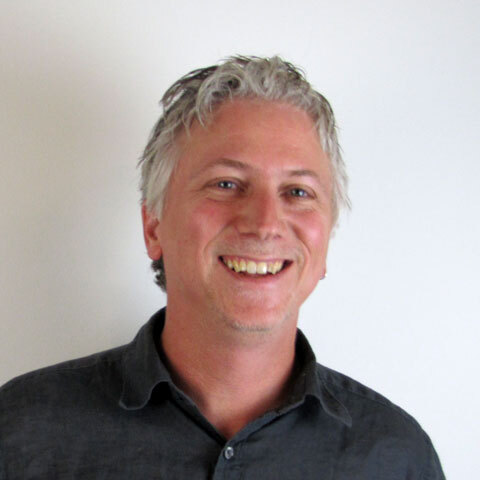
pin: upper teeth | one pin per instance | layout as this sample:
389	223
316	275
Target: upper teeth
249	266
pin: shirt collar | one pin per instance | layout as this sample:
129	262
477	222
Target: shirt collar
310	382
143	370
142	366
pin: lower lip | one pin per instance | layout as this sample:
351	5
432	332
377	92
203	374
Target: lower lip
257	279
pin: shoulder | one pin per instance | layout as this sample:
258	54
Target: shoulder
45	412
379	424
77	367
381	428
62	385
362	401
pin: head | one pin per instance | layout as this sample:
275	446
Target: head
199	93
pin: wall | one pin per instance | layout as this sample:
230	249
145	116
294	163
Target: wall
79	86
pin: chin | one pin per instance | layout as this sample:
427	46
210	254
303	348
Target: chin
257	320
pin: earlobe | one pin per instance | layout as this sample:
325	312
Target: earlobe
151	233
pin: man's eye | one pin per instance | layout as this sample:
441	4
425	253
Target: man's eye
226	184
299	192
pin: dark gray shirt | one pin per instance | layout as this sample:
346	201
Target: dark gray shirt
117	415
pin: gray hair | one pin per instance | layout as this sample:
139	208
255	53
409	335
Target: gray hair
195	96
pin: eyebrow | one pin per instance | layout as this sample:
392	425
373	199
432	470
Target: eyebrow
228	162
304	173
222	162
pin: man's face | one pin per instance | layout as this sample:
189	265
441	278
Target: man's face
252	190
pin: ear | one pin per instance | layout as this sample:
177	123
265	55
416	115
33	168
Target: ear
151	233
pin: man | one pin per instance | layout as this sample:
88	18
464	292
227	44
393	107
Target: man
242	182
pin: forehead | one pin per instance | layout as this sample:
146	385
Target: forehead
266	135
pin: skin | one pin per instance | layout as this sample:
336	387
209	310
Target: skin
255	184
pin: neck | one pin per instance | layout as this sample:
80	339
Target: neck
232	378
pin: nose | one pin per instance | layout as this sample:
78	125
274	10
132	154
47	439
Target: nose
261	215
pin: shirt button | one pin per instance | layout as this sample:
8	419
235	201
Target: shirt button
228	453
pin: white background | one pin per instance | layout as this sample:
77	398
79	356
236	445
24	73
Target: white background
79	85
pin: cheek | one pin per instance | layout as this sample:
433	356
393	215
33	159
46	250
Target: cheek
206	221
314	232
188	234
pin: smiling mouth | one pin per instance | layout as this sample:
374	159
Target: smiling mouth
250	267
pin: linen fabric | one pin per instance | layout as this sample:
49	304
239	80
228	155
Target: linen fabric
118	415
